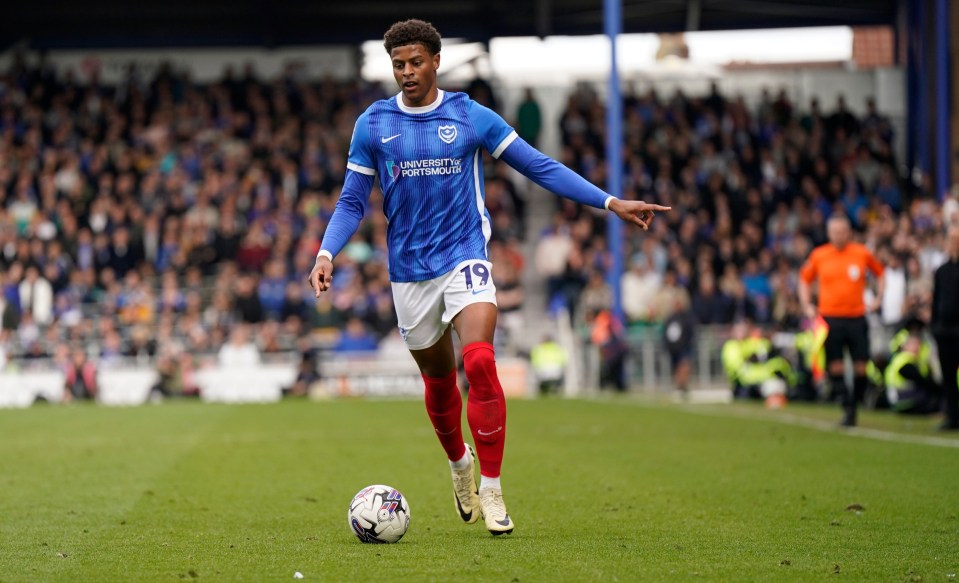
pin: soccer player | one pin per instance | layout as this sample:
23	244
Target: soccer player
424	145
840	267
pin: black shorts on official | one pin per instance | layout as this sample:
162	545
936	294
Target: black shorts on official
847	334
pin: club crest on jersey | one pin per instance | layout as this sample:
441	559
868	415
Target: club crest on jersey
394	169
447	133
853	273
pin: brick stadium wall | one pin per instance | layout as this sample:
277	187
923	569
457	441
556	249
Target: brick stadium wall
873	46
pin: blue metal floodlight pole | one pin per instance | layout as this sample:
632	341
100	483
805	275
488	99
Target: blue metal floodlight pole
613	24
943	117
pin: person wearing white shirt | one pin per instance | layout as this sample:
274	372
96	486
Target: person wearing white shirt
240	351
638	286
895	293
36	295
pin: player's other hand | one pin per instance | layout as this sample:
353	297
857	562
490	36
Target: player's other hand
636	212
322	275
810	311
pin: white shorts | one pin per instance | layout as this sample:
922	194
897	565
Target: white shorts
424	309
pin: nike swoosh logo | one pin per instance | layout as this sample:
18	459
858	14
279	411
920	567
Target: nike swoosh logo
484	433
466	516
476	292
384	140
504	522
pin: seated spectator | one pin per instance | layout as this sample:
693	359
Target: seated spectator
356	338
240	351
710	306
754	368
548	360
910	387
638	287
80	375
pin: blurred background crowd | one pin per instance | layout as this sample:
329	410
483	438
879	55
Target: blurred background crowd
172	222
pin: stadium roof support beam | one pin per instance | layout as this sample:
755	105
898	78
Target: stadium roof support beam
544	20
694	13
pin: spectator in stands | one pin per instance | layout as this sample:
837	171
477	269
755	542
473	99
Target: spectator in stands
36	296
356	337
174	374
307	372
638	287
246	301
608	335
548	360
80	376
240	351
529	120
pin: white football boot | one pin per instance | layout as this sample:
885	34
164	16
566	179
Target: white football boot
464	491
494	511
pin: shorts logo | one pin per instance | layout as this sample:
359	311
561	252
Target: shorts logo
404	333
853	273
447	133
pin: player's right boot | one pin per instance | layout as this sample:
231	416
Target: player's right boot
465	495
494	512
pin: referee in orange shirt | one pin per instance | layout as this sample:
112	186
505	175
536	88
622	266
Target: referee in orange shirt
840	268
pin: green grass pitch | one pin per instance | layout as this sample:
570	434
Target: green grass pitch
615	490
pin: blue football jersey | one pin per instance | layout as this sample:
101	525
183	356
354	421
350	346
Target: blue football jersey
429	165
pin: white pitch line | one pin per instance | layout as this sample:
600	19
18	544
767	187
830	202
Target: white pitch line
817	424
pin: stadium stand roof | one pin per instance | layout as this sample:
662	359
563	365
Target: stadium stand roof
271	23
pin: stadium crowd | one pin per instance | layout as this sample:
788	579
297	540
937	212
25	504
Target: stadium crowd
161	217
751	188
170	220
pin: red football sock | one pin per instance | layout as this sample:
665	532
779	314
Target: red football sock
485	407
444	404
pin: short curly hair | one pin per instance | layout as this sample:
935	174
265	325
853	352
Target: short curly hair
411	32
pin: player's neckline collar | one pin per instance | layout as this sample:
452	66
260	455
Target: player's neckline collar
424	109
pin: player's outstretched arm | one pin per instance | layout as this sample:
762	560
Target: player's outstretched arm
559	179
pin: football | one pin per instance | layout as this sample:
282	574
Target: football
379	514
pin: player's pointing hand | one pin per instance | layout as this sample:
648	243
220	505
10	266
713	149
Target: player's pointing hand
322	275
636	212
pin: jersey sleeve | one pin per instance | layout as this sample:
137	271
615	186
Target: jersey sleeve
552	175
494	133
350	210
361	157
874	265
810	269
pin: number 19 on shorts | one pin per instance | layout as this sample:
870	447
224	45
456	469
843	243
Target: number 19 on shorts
477	270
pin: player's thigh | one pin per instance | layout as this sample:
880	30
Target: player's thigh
470	297
476	323
437	360
858	341
419	313
836	340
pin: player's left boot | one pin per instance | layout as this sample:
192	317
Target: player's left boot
464	491
494	511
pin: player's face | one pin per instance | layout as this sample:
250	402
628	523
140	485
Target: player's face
838	233
414	69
